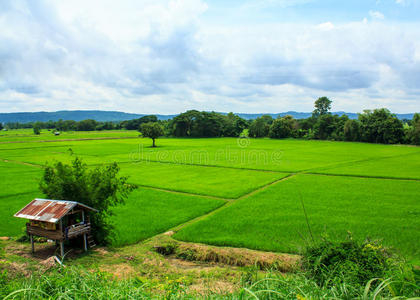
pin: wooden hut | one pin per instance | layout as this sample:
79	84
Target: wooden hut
57	220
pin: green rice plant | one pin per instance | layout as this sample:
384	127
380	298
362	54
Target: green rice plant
274	220
148	212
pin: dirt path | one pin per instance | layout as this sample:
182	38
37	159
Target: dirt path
20	163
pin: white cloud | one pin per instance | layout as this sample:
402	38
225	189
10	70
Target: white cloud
159	57
326	26
376	15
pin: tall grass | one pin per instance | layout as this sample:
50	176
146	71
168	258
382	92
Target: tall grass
275	286
76	283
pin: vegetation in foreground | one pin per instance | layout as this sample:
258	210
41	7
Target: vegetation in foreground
343	270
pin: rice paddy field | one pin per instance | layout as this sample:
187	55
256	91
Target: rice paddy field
251	193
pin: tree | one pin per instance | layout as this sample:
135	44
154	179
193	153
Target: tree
135	123
283	127
37	129
183	123
380	126
322	106
1	125
352	130
324	127
260	127
233	125
86	125
413	134
151	130
100	188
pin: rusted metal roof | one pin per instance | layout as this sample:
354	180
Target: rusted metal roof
47	210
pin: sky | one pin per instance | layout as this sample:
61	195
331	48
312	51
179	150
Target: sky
169	56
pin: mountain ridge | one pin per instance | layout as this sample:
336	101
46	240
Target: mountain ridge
101	115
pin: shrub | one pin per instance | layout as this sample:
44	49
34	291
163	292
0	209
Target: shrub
330	263
100	188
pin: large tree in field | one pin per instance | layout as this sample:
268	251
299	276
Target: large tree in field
100	188
151	130
322	106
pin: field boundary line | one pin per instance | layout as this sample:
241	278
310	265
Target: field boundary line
38	147
360	176
202	165
267	185
69	140
18	194
21	163
227	204
345	163
185	193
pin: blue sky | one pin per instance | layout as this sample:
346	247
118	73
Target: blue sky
310	11
155	56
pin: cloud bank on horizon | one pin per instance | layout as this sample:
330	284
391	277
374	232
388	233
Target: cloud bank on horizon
168	56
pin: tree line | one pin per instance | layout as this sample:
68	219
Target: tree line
373	126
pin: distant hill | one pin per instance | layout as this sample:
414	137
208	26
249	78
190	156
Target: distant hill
76	115
99	115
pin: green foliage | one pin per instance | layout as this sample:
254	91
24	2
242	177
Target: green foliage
283	127
260	127
413	134
151	130
86	125
100	188
324	126
79	283
322	106
330	263
37	129
234	125
135	123
300	286
380	126
194	123
352	130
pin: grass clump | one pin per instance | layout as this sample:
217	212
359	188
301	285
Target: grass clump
332	262
361	265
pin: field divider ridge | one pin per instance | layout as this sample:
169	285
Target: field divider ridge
361	176
349	162
22	163
200	165
69	140
229	203
184	193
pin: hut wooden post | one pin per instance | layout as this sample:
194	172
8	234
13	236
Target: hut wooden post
62	241
31	237
62	249
84	235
